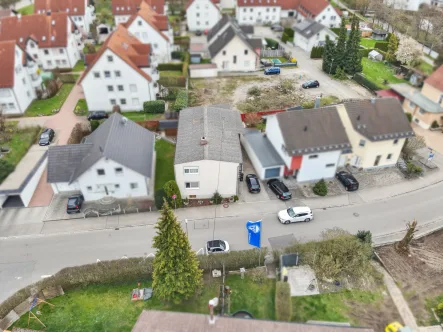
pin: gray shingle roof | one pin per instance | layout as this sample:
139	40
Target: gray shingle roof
64	159
217	27
118	139
313	130
308	28
220	126
379	119
263	149
248	29
417	97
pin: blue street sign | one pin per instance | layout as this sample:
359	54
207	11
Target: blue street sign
254	233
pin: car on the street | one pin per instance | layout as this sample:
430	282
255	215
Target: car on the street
280	189
276	27
74	204
272	71
46	137
97	115
198	33
347	180
310	84
215	246
295	214
253	183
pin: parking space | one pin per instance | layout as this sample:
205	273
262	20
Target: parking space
244	194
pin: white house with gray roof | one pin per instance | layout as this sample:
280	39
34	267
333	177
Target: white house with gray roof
107	163
208	155
310	33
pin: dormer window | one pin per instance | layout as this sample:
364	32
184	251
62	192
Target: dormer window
110	58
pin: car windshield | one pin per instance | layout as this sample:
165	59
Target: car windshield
44	135
222	244
286	194
72	201
291	212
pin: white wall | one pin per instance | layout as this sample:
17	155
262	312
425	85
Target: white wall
199	73
228	3
212	176
307	44
96	92
201	15
97	182
29	189
274	135
65	186
236	47
258	15
146	34
121	19
315	169
329	17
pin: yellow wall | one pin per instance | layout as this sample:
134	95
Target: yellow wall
367	154
407	108
432	93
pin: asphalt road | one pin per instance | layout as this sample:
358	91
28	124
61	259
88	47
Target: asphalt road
25	260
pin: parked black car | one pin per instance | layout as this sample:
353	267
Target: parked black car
310	84
198	33
253	183
97	115
347	180
276	27
279	189
74	204
46	137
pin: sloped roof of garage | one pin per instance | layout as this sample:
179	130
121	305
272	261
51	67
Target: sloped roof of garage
64	159
263	149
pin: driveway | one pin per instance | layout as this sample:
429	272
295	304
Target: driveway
434	139
244	194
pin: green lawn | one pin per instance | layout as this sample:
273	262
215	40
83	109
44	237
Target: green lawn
140	116
27	10
164	168
79	66
81	109
282	59
368	42
425	67
170	73
377	72
46	106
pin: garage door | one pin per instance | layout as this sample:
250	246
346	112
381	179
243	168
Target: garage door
272	172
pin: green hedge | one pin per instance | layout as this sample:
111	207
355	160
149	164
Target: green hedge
170	66
172	94
383	46
6	168
271	43
182	100
154	106
172	81
317	52
283	303
186	61
360	79
178	55
365	51
284	38
289	32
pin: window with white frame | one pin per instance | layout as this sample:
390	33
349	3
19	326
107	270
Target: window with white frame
123	101
120	88
46	52
61	51
330	165
57	62
49	63
113	101
116	186
133	88
11	106
192	185
64	62
100	171
133	185
107	74
198	14
110	88
118	171
190	169
135	102
28	94
118	73
110	58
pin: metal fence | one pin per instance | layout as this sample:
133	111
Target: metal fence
272	53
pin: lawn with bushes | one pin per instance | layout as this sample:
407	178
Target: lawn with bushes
141	116
81	109
368	42
164	168
79	66
378	72
169	73
27	10
45	106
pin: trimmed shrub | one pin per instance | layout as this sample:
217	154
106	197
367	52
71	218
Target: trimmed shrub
171	188
283	304
320	188
254	91
317	52
171	66
216	198
172	81
159	195
284	37
172	94
409	116
289	32
95	124
382	46
435	124
182	101
271	43
178	55
360	79
365	236
6	168
340	74
258	275
154	106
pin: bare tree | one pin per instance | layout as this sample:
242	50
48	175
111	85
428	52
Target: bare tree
412	145
363	6
403	245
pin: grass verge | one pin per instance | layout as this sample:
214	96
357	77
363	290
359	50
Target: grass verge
169	73
164	168
81	109
79	66
378	72
140	116
45	107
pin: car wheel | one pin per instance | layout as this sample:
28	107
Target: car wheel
287	222
307	219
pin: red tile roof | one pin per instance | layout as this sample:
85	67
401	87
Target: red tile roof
258	3
436	79
129	7
6	13
311	8
308	8
158	22
46	31
7	63
127	47
73	7
191	1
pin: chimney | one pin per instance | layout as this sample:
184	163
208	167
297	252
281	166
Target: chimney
19	16
203	140
373	100
317	102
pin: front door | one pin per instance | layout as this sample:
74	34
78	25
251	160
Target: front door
355	161
225	65
377	160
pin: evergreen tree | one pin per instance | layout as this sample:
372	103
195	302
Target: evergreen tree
328	55
392	48
353	56
340	48
176	273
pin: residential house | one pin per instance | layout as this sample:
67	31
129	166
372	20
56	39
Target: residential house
19	78
52	40
319	10
154	29
425	104
122	10
306	144
106	163
230	48
377	130
202	14
258	11
80	11
310	33
120	73
208	155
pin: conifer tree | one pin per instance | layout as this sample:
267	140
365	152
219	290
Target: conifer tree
392	48
353	57
340	48
328	55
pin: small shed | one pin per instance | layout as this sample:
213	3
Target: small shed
378	34
374	55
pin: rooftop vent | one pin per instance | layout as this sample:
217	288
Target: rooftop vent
373	100
203	140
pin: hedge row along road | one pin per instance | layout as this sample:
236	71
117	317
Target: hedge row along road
28	259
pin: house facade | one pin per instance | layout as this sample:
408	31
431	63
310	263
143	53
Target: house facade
154	29
410	5
103	165
80	11
52	40
310	33
425	105
208	155
122	10
202	14
256	12
377	130
19	79
120	73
